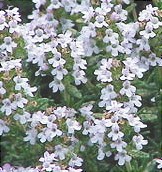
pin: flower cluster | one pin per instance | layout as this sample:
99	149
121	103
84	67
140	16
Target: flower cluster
87	36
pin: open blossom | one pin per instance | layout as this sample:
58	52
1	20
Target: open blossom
3	22
31	136
8	44
3	127
19	101
127	89
2	90
75	161
122	157
60	152
139	141
8	106
56	85
72	125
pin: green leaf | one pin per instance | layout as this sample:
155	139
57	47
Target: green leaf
73	91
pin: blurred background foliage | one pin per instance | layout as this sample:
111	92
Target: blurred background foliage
16	152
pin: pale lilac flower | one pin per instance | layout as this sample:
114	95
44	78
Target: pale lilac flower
139	141
103	72
23	118
70	169
56	85
115	134
88	14
122	157
66	24
9	65
8	107
86	111
13	14
48	161
127	75
64	39
107	94
19	101
148	32
72	125
38	3
115	48
79	76
8	44
79	63
3	23
68	5
102	153
3	127
135	100
13	26
39	36
119	144
100	21
31	136
59	72
2	90
75	161
143	44
122	14
55	4
60	152
127	89
110	36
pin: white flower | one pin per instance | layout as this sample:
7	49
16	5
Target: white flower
23	118
31	136
107	94
13	14
72	125
115	134
59	72
3	127
110	36
102	153
119	144
86	111
79	76
60	152
75	161
127	89
64	39
8	106
49	132
8	44
56	85
9	65
39	36
3	23
48	161
100	21
2	90
115	48
159	161
38	3
139	141
19	101
122	157
148	32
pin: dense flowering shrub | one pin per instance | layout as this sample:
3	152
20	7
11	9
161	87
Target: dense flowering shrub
92	52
